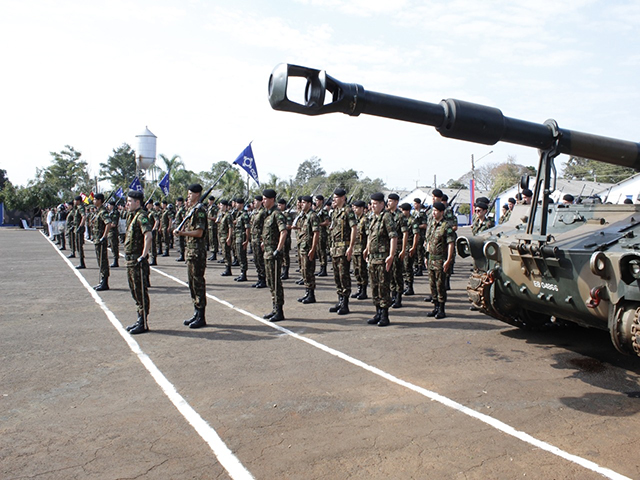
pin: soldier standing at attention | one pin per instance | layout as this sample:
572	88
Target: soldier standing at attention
101	228
359	264
71	229
160	234
195	233
80	217
212	215
308	228
382	242
421	220
114	239
481	222
274	234
403	239
413	239
181	211
257	222
286	255
450	217
154	221
441	246
242	234
323	218
342	233
61	217
167	219
137	244
225	230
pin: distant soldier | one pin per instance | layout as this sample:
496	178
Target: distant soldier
527	196
71	229
114	238
421	220
323	218
79	220
413	240
274	234
212	215
441	250
308	228
382	242
61	218
359	263
195	233
181	211
154	221
101	227
569	199
166	222
241	235
403	239
257	222
137	245
286	255
481	221
225	233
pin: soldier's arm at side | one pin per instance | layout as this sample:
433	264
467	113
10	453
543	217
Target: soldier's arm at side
314	245
281	240
392	253
352	241
148	238
450	254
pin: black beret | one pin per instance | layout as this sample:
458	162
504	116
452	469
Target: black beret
224	202
239	200
512	200
300	197
405	206
181	199
113	202
378	197
258	198
157	204
165	202
628	201
527	193
212	197
418	200
78	198
136	195
340	192
505	207
436	192
269	193
282	201
319	197
445	197
568	197
99	196
393	196
306	198
483	200
439	206
195	188
483	205
359	203
149	202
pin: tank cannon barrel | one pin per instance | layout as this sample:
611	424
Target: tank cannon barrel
452	118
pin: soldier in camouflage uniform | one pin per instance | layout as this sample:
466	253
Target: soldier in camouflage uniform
101	227
137	245
286	255
225	232
441	252
274	234
155	213
194	232
308	228
382	242
241	235
342	237
79	219
420	219
481	222
166	221
359	264
413	239
114	238
181	211
450	217
505	216
212	215
257	222
71	229
323	218
397	281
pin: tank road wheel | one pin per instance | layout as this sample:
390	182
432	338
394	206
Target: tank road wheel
624	327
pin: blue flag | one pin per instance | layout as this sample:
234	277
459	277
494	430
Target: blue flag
119	193
248	163
136	185
164	184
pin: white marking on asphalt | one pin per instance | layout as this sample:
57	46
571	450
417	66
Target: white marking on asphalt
497	424
224	455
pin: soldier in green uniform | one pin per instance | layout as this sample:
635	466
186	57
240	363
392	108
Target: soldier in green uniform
137	245
409	254
71	229
382	243
420	217
450	217
155	212
257	222
101	227
308	227
274	234
194	231
181	211
323	218
212	215
160	233
225	231
481	222
441	252
241	236
61	218
506	215
403	238
79	219
114	238
286	255
342	236
167	221
359	264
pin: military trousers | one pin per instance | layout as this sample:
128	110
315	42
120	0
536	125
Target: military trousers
407	268
360	270
397	285
380	279
226	253
437	279
136	275
213	237
258	257
272	267
182	243
167	238
71	234
241	255
80	241
323	244
342	275
308	270
196	267
103	259
114	243
286	258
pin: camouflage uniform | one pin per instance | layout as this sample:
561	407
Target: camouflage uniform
342	221
137	226
79	212
212	214
61	216
307	225
100	221
396	268
480	226
323	240
440	235
224	225
420	218
196	255
286	258
274	223
165	225
153	217
257	222
114	238
505	217
71	231
177	220
382	228
240	226
408	260
359	265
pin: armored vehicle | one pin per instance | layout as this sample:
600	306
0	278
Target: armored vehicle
549	262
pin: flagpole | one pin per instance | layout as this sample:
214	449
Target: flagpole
248	185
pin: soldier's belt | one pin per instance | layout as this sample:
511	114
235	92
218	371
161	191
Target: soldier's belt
340	244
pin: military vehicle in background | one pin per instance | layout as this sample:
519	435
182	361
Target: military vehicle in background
549	262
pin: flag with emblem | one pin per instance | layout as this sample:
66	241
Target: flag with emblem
164	184
248	163
136	185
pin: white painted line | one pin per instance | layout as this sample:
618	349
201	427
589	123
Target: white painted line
497	424
224	455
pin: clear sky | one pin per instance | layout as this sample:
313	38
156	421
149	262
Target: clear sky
93	74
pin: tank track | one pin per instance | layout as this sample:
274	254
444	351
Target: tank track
635	332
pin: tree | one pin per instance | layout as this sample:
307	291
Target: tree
3	178
308	170
507	174
456	184
171	164
578	168
67	175
120	167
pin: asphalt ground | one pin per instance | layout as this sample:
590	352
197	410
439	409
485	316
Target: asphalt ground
312	397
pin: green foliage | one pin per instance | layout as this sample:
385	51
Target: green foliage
457	185
67	175
308	170
578	168
3	178
120	167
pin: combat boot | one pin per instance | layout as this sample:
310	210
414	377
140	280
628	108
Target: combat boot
279	314
241	278
417	272
261	283
384	318
285	273
306	294
115	263
193	318
447	283
337	306
300	282
409	290
441	313
226	273
103	285
166	252
428	298
81	265
140	326
310	298
180	257
72	255
376	317
153	262
363	294
200	321
355	294
436	309
212	256
134	325
398	301
344	307
267	316
235	263
322	272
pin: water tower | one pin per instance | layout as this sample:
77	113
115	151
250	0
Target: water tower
146	150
